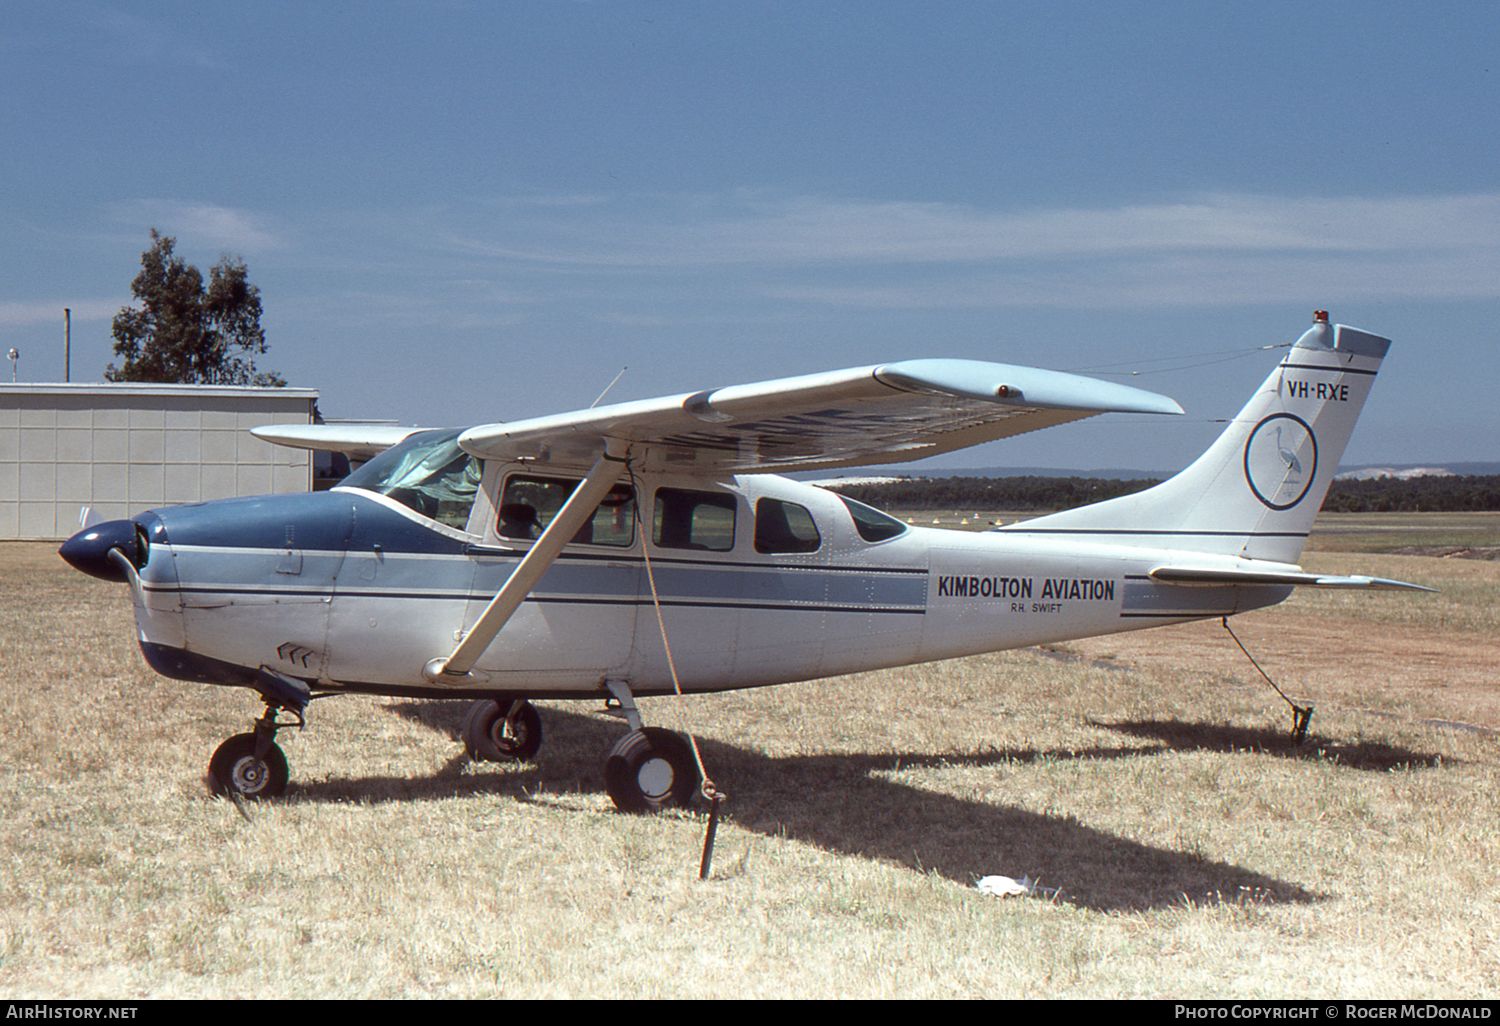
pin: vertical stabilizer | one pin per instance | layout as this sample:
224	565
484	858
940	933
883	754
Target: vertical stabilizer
1255	492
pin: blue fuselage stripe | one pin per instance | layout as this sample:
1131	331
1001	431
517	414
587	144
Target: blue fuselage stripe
540	599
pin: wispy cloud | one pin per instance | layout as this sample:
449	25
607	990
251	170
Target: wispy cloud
21	315
811	230
133	37
204	225
1213	248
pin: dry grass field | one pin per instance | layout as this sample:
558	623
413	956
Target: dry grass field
1183	845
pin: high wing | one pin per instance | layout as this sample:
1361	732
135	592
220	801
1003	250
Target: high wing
889	413
361	441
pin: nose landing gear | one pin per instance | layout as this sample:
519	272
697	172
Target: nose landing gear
253	765
238	766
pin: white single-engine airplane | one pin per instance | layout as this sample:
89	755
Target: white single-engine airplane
644	549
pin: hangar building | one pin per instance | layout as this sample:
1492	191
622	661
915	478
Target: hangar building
121	449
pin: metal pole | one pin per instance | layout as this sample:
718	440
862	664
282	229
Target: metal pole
67	344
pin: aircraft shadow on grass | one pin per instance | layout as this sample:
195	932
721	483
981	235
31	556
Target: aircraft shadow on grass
845	803
1371	756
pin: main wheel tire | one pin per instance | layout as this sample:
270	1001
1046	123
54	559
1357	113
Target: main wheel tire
492	736
234	767
649	770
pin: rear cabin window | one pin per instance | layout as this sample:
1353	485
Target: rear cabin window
873	525
427	473
687	519
528	505
784	527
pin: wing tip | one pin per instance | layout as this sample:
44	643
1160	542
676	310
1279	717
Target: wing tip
353	439
1015	385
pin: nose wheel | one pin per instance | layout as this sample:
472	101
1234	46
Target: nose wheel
252	765
238	766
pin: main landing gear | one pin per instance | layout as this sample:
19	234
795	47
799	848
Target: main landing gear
500	732
649	769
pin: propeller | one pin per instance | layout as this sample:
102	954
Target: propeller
100	550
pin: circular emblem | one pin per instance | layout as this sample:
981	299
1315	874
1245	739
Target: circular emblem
1281	460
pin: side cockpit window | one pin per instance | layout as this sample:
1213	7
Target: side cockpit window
687	519
873	525
427	473
528	505
784	527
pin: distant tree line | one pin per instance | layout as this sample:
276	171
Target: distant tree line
1449	493
1021	494
1432	494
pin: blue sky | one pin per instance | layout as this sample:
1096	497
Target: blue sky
468	212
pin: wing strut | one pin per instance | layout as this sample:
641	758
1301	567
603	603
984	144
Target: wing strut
579	507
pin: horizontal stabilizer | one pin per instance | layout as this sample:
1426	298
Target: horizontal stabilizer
1212	577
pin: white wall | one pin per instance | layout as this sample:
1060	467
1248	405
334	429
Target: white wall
121	449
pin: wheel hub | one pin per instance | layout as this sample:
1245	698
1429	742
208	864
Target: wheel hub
505	736
655	778
249	775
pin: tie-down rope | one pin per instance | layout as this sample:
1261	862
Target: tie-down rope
708	789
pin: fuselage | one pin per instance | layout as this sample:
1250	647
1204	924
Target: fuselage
748	581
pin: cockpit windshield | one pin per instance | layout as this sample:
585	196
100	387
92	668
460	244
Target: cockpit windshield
427	473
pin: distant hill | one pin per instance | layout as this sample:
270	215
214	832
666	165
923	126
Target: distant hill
1406	470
